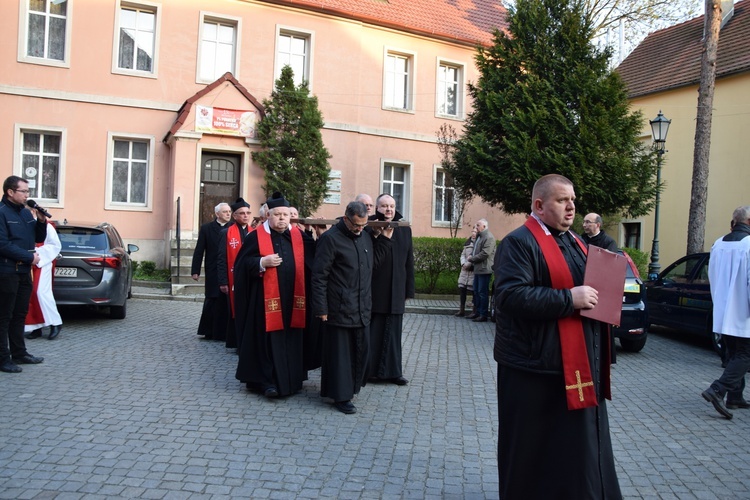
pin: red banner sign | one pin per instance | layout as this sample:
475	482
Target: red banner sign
225	121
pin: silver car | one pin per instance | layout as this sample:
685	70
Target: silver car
94	267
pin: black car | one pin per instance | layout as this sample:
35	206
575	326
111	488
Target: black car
94	267
680	298
633	329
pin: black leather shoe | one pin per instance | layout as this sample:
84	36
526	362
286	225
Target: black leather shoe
472	316
54	331
460	314
10	367
271	392
28	359
34	334
712	397
399	381
741	404
345	407
480	319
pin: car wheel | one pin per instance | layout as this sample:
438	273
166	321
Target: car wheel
118	312
633	345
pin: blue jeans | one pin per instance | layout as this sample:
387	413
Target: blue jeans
481	293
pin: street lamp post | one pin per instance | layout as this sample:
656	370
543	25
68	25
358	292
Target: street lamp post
659	129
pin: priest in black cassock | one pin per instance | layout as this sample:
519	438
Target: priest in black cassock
392	284
213	322
553	364
271	303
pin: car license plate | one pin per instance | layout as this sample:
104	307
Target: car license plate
67	272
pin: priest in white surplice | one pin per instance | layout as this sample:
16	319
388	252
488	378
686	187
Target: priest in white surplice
42	308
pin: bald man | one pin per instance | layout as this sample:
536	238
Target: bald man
593	234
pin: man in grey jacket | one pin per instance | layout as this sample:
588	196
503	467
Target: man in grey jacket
482	259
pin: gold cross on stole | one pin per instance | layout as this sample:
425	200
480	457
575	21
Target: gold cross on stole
578	385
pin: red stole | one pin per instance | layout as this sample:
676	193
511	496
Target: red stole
579	385
271	293
234	244
35	315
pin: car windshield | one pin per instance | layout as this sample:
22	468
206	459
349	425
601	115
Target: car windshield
79	238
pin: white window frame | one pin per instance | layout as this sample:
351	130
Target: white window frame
23	37
126	206
411	77
461	71
443	223
20	130
309	37
385	164
138	5
236	22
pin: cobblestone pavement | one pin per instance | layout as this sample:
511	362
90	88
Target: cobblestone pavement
143	408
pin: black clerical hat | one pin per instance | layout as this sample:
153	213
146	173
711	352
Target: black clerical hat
277	200
240	203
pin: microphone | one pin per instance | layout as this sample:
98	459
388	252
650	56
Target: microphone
33	204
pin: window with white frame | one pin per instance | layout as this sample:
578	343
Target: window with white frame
218	52
395	182
444	200
294	49
398	80
129	171
41	158
449	89
44	37
136	38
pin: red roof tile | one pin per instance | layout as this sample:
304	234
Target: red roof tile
671	58
467	21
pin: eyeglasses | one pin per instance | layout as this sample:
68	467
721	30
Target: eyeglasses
25	191
360	226
589	222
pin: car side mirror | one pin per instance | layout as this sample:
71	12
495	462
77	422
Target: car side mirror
132	248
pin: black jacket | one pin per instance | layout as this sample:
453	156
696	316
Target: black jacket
209	239
393	276
526	332
602	240
342	275
19	233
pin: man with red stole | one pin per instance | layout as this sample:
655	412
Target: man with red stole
271	272
553	364
229	247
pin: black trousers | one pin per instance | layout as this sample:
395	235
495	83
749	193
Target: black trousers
15	292
732	381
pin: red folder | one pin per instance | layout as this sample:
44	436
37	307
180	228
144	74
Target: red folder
605	272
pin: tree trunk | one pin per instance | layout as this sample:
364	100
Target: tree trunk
697	217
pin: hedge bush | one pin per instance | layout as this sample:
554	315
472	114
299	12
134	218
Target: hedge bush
640	259
436	257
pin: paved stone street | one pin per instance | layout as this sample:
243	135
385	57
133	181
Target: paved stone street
142	408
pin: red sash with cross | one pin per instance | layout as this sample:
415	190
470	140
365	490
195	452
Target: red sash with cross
271	293
234	244
579	385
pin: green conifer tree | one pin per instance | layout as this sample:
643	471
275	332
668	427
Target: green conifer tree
545	102
293	155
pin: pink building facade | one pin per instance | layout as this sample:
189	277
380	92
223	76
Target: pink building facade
114	110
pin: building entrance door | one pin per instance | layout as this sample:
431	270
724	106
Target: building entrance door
220	173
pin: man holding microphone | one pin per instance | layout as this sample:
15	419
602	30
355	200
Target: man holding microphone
19	233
